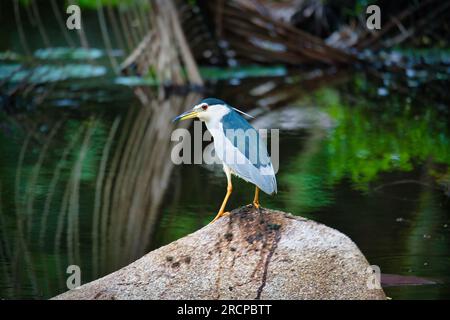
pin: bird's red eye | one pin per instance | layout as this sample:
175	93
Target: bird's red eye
204	106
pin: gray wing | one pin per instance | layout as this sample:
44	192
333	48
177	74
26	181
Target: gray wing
251	161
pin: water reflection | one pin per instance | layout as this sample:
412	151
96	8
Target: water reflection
94	185
81	191
85	175
379	173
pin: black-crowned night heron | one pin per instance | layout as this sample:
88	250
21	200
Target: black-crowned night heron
238	146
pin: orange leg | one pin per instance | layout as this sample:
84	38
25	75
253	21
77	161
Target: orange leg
256	198
225	200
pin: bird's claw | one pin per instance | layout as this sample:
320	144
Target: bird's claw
219	215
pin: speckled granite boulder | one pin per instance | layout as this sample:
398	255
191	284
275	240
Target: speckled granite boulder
249	254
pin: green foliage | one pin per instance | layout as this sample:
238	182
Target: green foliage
367	140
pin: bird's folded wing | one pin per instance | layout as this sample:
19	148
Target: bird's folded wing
245	153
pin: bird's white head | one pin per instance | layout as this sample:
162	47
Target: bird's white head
208	110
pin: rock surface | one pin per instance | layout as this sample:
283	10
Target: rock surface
246	255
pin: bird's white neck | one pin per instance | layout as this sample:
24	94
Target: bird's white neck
214	121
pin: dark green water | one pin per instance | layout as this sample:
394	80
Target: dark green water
86	177
373	167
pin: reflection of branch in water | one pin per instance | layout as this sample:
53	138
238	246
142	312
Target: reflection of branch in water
5	247
50	196
132	171
53	183
137	182
22	37
20	247
106	38
41	29
73	233
21	251
108	190
98	195
61	23
58	233
31	184
19	172
32	181
69	212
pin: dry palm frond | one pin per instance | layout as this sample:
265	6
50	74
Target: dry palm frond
255	35
164	50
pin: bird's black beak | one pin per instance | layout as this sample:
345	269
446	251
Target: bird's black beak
186	115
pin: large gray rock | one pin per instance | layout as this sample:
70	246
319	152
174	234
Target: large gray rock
246	255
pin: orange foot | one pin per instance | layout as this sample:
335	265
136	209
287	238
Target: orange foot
219	215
